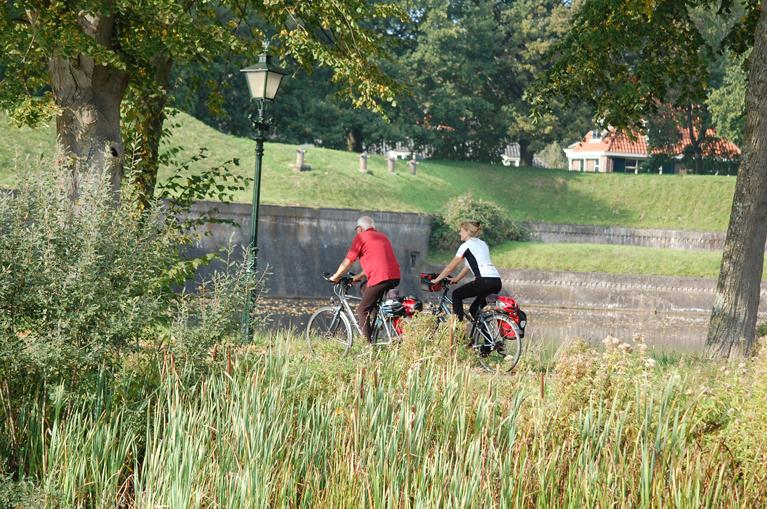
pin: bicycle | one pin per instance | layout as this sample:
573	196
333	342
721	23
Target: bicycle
496	338
330	327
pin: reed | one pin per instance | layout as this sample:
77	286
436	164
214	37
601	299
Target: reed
393	430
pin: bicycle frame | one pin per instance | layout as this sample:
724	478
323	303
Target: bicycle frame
381	320
444	308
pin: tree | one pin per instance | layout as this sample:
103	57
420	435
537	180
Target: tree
727	103
627	57
470	65
80	58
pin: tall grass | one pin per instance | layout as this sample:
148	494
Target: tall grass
420	426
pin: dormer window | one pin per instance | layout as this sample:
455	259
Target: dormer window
596	135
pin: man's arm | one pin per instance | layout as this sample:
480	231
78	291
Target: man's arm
341	270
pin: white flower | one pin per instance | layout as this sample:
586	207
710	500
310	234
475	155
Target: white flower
625	348
649	363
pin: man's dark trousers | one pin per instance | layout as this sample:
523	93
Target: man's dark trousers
369	300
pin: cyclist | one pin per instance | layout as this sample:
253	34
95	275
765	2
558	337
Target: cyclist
379	265
476	257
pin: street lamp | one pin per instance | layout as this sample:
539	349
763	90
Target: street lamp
264	81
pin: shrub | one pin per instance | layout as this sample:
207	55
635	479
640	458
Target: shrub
80	279
496	226
85	281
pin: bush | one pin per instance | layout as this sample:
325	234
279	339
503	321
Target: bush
81	279
83	284
496	226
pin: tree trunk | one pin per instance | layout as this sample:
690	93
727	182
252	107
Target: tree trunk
733	318
354	139
525	155
696	139
89	96
145	120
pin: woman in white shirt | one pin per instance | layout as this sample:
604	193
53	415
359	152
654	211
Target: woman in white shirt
476	255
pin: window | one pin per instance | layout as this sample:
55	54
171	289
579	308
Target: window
576	165
596	165
592	165
632	165
596	135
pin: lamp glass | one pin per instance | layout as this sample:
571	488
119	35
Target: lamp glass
273	81
257	83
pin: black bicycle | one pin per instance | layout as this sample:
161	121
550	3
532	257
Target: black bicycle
330	327
494	337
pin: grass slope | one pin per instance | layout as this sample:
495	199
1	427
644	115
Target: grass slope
676	202
602	258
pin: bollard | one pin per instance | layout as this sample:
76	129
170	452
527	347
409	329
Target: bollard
411	166
390	161
300	165
364	163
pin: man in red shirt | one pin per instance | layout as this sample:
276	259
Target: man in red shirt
378	263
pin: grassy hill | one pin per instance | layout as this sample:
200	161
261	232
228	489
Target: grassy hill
677	202
613	259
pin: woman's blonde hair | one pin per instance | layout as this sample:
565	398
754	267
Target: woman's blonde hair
473	228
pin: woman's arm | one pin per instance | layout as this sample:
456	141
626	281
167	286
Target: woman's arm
460	275
447	270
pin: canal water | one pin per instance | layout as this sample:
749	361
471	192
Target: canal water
680	331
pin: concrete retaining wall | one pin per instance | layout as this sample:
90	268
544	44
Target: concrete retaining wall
668	311
655	237
299	243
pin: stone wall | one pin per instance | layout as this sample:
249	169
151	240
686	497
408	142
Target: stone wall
668	311
650	237
299	244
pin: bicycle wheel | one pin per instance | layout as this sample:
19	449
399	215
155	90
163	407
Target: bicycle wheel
498	343
329	330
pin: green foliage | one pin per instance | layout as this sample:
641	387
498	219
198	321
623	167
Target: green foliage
496	226
83	284
168	30
728	102
554	155
80	280
465	66
597	61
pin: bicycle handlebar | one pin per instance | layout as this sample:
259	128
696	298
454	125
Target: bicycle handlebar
347	280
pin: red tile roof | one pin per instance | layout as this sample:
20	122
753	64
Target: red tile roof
619	142
614	142
712	146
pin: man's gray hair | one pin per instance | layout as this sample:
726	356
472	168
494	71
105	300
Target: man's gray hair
366	223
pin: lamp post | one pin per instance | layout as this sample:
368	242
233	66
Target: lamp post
264	80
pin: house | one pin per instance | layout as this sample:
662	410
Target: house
607	151
616	151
